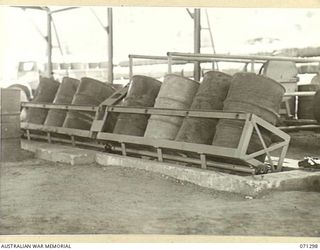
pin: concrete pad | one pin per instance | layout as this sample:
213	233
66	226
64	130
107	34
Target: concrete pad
246	185
59	153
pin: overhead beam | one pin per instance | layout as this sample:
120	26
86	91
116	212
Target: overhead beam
31	7
65	9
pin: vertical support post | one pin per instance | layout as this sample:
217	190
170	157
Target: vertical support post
160	156
252	65
245	137
73	141
123	149
197	42
130	67
110	46
281	158
203	161
28	135
49	137
49	44
169	63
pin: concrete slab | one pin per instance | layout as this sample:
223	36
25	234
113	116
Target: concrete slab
246	185
59	153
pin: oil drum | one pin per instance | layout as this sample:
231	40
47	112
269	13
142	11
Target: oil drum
254	94
305	102
90	92
142	92
65	93
45	93
210	96
316	106
176	92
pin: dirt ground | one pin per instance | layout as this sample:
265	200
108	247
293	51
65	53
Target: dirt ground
39	197
302	144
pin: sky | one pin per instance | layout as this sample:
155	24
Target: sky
153	31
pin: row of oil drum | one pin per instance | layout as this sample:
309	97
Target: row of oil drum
245	92
87	91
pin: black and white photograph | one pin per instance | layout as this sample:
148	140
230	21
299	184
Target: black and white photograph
163	121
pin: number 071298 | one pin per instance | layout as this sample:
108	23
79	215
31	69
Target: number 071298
309	246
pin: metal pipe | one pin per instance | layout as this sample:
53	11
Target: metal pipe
59	106
165	58
60	10
183	60
30	7
49	45
110	46
214	164
301	93
57	36
130	67
61	140
176	112
146	111
300	122
197	42
302	127
248	57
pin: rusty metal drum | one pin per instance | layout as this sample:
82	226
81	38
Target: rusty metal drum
305	102
176	92
210	96
142	92
90	92
65	94
45	93
249	93
316	106
255	94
